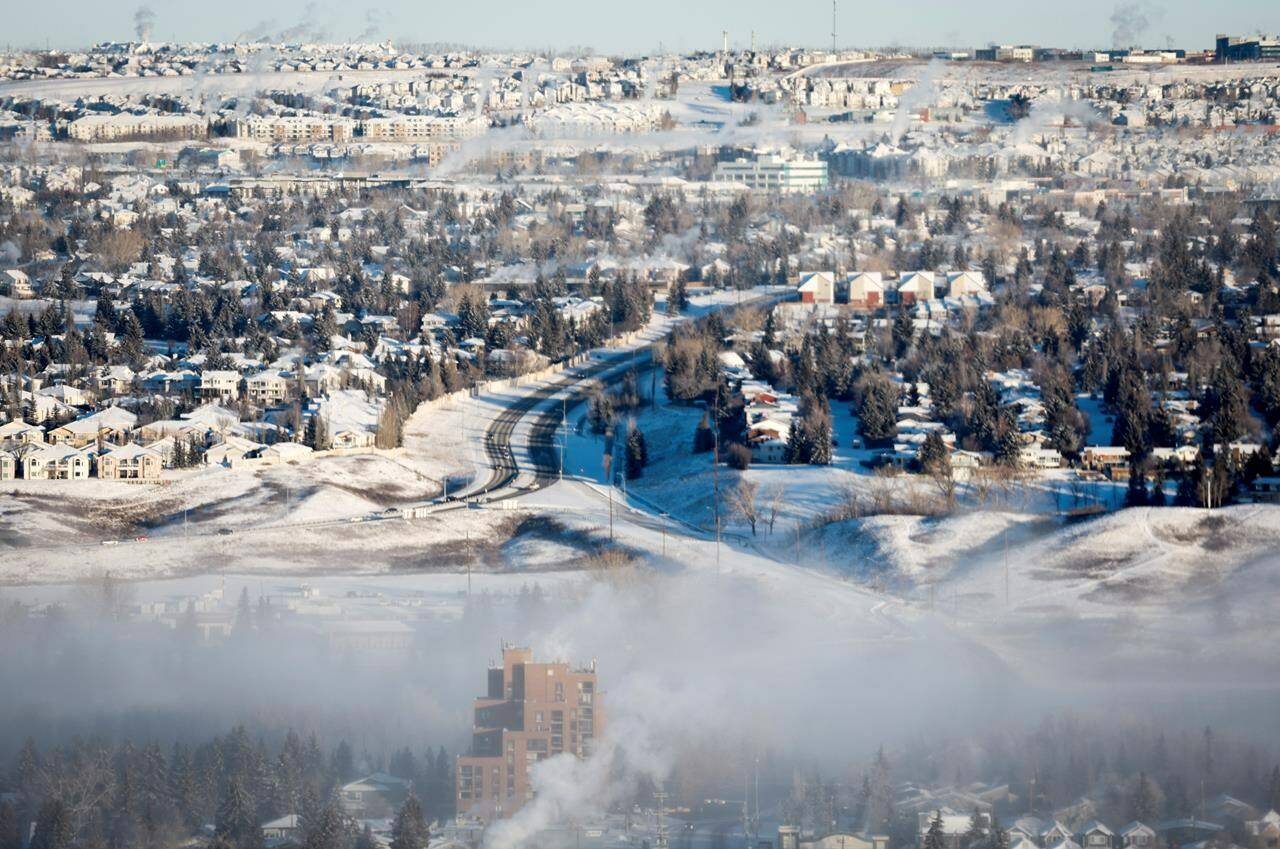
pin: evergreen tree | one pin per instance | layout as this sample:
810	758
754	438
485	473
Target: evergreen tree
10	828
1136	493
327	829
409	831
799	450
999	837
1156	497
704	439
236	820
976	832
366	839
816	422
1144	801
678	297
637	453
878	412
903	332
53	826
934	458
934	837
1188	494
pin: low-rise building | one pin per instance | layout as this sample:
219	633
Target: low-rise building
130	462
55	462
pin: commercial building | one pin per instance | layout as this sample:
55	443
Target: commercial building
770	172
1006	53
1247	48
531	712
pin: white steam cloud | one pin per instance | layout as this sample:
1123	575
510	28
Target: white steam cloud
919	96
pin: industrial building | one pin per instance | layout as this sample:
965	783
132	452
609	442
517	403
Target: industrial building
530	712
1248	48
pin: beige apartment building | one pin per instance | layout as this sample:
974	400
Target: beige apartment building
531	712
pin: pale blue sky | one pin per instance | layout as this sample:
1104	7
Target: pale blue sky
642	26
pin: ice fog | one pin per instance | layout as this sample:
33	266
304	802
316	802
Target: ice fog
693	664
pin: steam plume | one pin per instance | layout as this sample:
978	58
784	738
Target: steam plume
144	22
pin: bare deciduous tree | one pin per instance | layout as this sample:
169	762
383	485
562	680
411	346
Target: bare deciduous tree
774	497
744	499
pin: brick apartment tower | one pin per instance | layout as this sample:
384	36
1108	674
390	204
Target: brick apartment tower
531	711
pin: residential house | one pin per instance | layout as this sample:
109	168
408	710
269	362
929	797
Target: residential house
8	466
55	462
17	284
113	380
841	840
1265	831
964	283
284	452
915	287
267	388
220	384
817	287
866	290
110	424
1096	835
1137	835
954	825
1102	457
1055	832
374	796
231	451
286	829
130	462
18	432
350	417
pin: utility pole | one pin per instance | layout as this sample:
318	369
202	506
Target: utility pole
715	472
564	423
724	35
1006	569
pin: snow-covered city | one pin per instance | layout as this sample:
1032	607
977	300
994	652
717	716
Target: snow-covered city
533	428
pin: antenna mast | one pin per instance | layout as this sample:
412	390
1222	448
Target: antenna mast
834	7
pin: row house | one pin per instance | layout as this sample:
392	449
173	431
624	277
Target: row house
868	290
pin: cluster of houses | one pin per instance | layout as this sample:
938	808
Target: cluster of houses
110	444
1079	826
1031	832
872	290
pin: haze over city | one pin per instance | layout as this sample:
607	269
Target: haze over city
551	24
728	426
